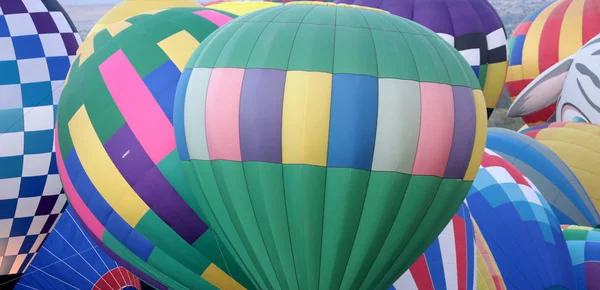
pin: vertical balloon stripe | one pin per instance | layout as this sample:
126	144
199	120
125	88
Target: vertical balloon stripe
460	244
449	254
162	83
532	43
261	105
591	20
305	118
215	17
435	255
437	126
551	36
464	132
420	273
143	114
571	31
178	116
195	97
395	146
102	172
480	137
353	121
222	114
471	259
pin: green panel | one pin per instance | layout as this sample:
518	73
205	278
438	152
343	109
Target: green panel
272	49
376	21
418	197
354	52
482	74
402	25
236	52
346	189
452	63
320	15
215	227
449	197
350	18
394	57
64	138
144	60
165	264
170	167
511	43
101	108
304	189
265	187
266	15
313	50
158	28
123	252
198	27
222	213
427	59
162	236
384	197
210	48
575	235
101	39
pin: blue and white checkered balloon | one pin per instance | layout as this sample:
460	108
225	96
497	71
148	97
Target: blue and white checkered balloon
38	42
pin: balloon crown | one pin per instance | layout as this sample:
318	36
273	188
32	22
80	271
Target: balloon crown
334	4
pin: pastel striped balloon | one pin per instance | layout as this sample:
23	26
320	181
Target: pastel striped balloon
117	155
310	132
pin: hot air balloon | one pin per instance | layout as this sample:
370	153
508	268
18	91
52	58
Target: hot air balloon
577	145
448	263
488	274
130	8
584	247
331	146
556	182
573	82
239	8
519	227
473	27
548	35
37	43
117	155
69	259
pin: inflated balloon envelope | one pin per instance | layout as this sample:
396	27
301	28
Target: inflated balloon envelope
330	144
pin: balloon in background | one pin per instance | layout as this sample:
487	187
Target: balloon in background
519	227
279	121
488	274
130	8
117	154
37	44
577	145
584	247
555	181
549	34
70	258
449	262
240	8
473	27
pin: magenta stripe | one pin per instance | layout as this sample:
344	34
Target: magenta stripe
215	17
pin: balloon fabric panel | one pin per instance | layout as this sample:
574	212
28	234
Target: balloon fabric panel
273	136
488	274
584	247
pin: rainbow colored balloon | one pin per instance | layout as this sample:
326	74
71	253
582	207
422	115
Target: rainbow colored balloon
117	155
584	247
330	144
488	273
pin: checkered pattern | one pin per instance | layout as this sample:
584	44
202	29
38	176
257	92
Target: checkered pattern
37	45
480	48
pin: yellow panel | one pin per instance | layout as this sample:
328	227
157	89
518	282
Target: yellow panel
214	275
305	123
531	64
85	50
494	83
571	34
592	129
514	73
480	136
116	28
102	172
179	47
242	8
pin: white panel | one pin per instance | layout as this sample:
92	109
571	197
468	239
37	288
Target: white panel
37	224
472	56
195	106
35	6
26	206
12	144
7	50
20	24
61	22
38	118
36	164
33	70
17	263
10	96
500	174
53	44
447	37
5	226
496	39
14	245
448	250
10	188
53	185
405	282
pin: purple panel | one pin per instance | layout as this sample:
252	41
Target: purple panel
128	155
464	17
46	204
44	23
487	14
434	15
70	43
162	198
12	6
464	133
49	222
592	279
261	106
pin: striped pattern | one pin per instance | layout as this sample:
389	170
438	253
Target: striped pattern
548	35
277	119
449	262
488	275
117	155
584	247
556	182
577	145
519	227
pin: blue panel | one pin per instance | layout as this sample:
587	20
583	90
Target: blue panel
433	256
592	252
476	70
516	56
139	245
37	94
494	195
28	46
20	226
11	166
8	208
32	186
178	118
11	120
4	32
118	227
162	82
27	244
58	67
470	233
9	73
353	121
39	141
53	165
